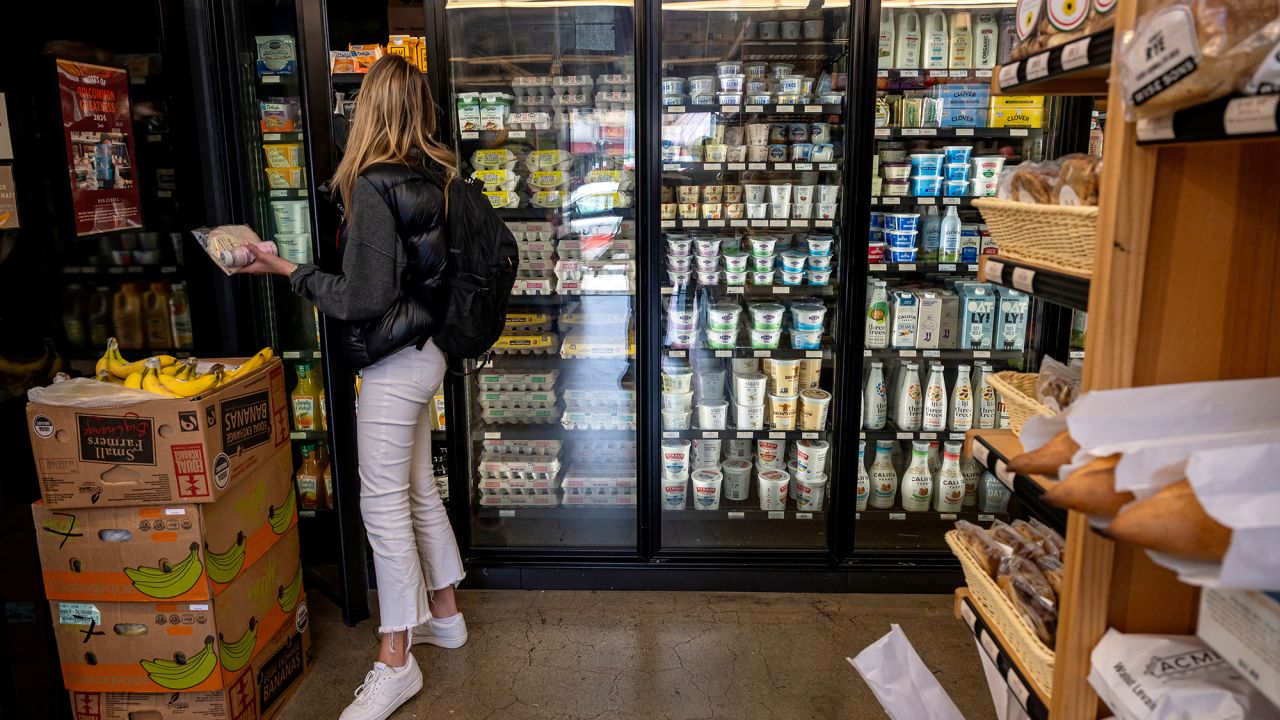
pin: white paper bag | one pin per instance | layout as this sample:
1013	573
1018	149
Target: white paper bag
904	685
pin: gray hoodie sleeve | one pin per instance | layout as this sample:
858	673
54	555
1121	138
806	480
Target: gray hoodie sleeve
371	265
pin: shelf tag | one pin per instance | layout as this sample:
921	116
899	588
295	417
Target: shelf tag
989	644
813	354
271	79
762	354
964	132
668	291
690	223
736	166
1037	66
470	135
744	436
1075	54
670	166
866	353
493	436
906	353
786	108
890	200
950	201
808	436
982	353
777	515
926	200
781	290
908	73
759	222
712	166
982	73
724	353
668	223
897	516
946	516
757	166
813	108
973	267
670	434
946	268
728	108
710	434
928	436
715	223
803	166
1019	689
515	134
822	223
1251	115
736	514
827	166
804	516
1156	128
911	132
779	223
931	353
883	132
967	613
1009	75
677	109
994	271
733	289
906	267
1003	472
677	353
1023	278
882	73
957	436
782	166
980	452
737	223
986	518
905	436
270	137
941	73
506	513
754	108
777	435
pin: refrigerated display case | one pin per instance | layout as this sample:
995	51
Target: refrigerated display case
546	119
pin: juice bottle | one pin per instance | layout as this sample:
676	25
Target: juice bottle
99	316
326	478
309	479
304	399
126	316
180	317
155	315
324	411
73	316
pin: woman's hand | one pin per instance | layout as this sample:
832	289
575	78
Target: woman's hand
267	264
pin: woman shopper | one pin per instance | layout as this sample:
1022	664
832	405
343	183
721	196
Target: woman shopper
387	297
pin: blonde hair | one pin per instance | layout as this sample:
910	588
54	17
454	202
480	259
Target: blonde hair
394	116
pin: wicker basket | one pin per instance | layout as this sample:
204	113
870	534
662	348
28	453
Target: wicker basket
996	607
1019	393
1060	237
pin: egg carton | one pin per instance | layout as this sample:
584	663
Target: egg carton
521	321
517	484
530	268
529	121
550	448
521	416
603	452
586	269
578	346
596	477
615	96
576	316
511	500
598	498
532	231
588	399
512	399
517	471
527	344
599	421
511	380
620	81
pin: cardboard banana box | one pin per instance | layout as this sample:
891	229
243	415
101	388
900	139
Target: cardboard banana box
156	647
258	691
162	451
179	552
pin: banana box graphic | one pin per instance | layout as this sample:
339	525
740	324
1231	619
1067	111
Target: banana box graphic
186	646
164	451
181	552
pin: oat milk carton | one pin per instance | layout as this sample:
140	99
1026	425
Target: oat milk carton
977	315
1011	319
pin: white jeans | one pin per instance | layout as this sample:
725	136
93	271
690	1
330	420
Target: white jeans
414	551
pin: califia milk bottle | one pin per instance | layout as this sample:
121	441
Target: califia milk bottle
935	401
864	480
972	473
884	479
950	496
961	401
917	483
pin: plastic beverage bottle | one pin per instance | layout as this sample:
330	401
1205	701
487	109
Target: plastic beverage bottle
993	496
934	417
73	316
180	317
864	480
906	53
935	458
304	399
950	497
985	399
930	234
877	334
1007	37
875	397
986	38
961	401
309	480
961	41
908	406
888	37
949	237
884	479
126	317
917	483
935	41
155	313
972	473
325	498
99	316
324	412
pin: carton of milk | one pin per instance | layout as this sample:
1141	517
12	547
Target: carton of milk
929	319
977	315
903	309
1011	319
949	320
989	245
970	243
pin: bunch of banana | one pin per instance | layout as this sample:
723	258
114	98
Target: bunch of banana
236	655
251	364
113	362
282	517
190	388
287	595
183	676
170	583
223	567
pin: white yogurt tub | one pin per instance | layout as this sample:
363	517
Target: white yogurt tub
706	263
808	315
819	262
765	339
678	245
706	246
761	277
761	244
678	263
735	260
819	277
792	279
724	315
735	278
806	339
737	479
722	339
766	316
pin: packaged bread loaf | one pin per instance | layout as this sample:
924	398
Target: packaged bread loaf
986	551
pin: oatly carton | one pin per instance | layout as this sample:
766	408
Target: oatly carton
977	315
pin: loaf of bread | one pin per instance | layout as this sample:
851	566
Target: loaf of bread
986	551
1052	569
1173	521
1078	180
1091	489
1046	461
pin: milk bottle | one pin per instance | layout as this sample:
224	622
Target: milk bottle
917	483
934	416
961	401
949	237
906	54
877	334
907	405
884	479
930	234
951	485
984	399
875	398
935	41
986	36
888	37
961	41
864	480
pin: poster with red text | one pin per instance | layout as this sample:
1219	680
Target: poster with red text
98	130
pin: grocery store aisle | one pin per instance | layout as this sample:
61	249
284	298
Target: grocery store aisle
633	655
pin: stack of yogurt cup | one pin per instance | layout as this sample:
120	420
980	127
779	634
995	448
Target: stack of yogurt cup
955	170
749	392
773	482
899	232
675	473
807	470
677	396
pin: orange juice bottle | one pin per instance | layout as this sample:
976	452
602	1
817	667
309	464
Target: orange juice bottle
304	399
308	479
326	478
126	316
155	315
324	411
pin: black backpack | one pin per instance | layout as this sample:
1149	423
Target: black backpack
483	260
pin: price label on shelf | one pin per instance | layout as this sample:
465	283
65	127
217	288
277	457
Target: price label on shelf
1018	132
712	166
782	166
736	166
744	436
759	222
1038	66
777	515
973	267
1016	685
724	353
776	435
493	436
931	353
516	134
676	109
471	135
866	353
1023	278
804	516
803	166
1003	472
268	137
883	132
808	436
950	201
1251	115
1009	75
946	268
906	353
779	223
964	132
736	514
274	79
956	436
710	434
813	354
882	73
822	223
912	132
755	108
982	353
928	436
967	613
813	108
677	353
946	516
939	73
670	434
926	200
728	109
737	223
669	167
715	223
905	436
668	223
986	518
1076	54
781	290
877	267
757	166
993	271
786	108
1156	128
982	73
734	289
980	452
668	291
989	644
908	73
506	513
906	267
691	223
827	166
761	353
897	516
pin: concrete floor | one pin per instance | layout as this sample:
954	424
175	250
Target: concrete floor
633	655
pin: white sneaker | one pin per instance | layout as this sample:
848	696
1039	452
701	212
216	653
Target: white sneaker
384	689
442	632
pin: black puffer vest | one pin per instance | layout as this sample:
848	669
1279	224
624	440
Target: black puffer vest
416	198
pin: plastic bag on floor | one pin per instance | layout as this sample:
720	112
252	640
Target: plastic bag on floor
904	685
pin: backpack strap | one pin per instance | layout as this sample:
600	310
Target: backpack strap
447	184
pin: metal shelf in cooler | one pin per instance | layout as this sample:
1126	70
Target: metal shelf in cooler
758	223
959	354
769	109
735	434
757	290
779	353
892	433
898	74
742	513
923	267
685	166
896	200
981	133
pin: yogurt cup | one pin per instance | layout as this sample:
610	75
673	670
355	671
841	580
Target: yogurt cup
702	85
790	84
689	193
956	171
810	493
734	211
737	479
826	211
710	384
674	492
712	193
889	154
801	211
827	193
716	152
762	244
722	339
927	164
819	262
791	279
724	315
682	318
987	167
712	211
678	263
675	458
772	487
713	414
749	388
796	472
766	315
731	82
780	70
728	68
957	154
810	373
707	448
823	152
818	277
765	339
675	419
704	462
798	132
897	188
900	239
806	339
748	417
902	255
757	211
677	400
794	260
771	453
807	315
801	152
780	211
708	278
983	188
689	210
672	85
729	98
762	263
677	380
957	188
758	134
761	277
669	210
706	263
679	278
735	260
706	488
802	193
735	277
678	246
738	450
901	221
780	193
784	377
762	98
756	69
755	193
926	185
814	405
811	454
876	252
777	153
755	86
820	244
895	170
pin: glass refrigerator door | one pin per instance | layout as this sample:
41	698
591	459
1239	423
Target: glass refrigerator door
934	333
545	118
752	151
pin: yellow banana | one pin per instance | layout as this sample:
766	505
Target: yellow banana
135	379
188	370
157	583
104	362
151	379
236	654
121	368
171	370
287	596
251	364
192	388
183	676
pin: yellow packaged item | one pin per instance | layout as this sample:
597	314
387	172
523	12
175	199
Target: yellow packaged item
548	160
283	155
1017	117
502	198
549	199
364	59
548	179
1016	101
341	62
493	159
284	178
500	179
413	49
